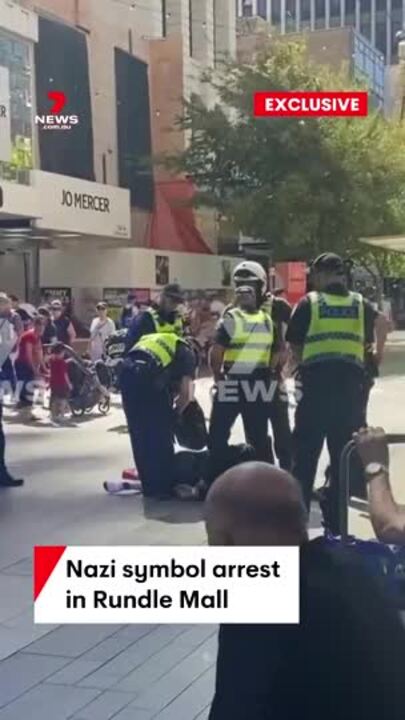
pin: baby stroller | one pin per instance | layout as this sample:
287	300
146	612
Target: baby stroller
90	385
114	350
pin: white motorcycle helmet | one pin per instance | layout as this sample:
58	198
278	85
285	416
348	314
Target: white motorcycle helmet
250	270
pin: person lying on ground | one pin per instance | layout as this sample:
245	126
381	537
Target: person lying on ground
345	659
387	517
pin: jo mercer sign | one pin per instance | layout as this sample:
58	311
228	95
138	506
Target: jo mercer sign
70	205
310	104
85	201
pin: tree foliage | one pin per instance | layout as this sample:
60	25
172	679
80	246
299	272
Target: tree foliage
304	185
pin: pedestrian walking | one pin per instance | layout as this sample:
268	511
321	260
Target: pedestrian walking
60	384
29	367
65	331
129	312
23	313
8	339
49	336
101	328
11	327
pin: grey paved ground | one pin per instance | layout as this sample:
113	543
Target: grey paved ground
120	672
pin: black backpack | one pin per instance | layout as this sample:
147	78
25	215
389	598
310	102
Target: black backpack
190	427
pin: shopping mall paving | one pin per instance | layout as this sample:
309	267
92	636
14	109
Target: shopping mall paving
120	672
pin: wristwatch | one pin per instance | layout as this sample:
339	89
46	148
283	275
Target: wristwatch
375	468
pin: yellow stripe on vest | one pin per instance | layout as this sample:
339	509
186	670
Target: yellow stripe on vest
161	346
251	342
161	326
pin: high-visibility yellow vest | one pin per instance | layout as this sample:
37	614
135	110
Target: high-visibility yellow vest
336	330
251	342
161	326
161	346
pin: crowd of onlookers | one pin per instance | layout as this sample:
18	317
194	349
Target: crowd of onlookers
33	341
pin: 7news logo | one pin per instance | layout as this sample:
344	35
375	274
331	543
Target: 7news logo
55	120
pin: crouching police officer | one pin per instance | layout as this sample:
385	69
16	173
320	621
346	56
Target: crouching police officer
156	382
328	333
240	361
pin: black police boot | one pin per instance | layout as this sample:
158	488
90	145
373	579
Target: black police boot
6	480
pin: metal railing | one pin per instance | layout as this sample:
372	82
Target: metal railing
344	480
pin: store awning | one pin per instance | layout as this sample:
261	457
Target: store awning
173	225
388	242
59	207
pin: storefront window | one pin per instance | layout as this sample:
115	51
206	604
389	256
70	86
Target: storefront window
305	14
319	13
247	9
262	9
369	67
15	55
365	19
350	20
276	12
396	26
334	19
381	35
290	20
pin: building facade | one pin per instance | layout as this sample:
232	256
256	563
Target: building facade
122	69
341	49
377	20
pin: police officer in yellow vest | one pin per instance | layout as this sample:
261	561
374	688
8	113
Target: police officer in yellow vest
328	333
158	368
163	318
240	362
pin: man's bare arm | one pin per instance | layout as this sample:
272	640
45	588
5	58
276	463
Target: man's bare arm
295	357
381	329
216	361
185	393
387	518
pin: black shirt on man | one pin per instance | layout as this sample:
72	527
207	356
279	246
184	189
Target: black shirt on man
345	660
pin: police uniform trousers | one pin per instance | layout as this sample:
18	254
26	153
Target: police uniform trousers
231	399
281	428
330	410
150	416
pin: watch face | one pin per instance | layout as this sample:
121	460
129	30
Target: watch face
373	468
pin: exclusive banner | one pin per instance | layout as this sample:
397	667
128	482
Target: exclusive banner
164	584
310	104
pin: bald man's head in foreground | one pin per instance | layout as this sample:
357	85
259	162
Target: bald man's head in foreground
256	504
